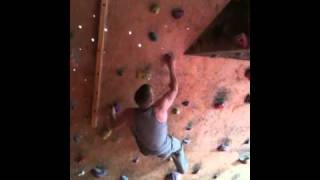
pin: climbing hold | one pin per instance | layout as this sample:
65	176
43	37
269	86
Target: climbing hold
99	171
177	13
79	27
247	141
119	72
244	159
80	159
155	8
74	69
247	99
196	168
186	140
144	74
106	134
153	36
189	126
136	160
220	99
175	110
105	29
92	39
81	173
185	103
116	106
247	73
124	178
215	176
167	57
187	28
93	15
241	40
113	113
77	138
85	79
139	45
235	177
224	146
173	176
130	33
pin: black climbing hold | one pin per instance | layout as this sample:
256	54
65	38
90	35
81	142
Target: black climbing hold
186	141
196	168
173	176
177	13
215	176
189	126
119	72
153	36
224	145
247	99
244	160
124	178
77	138
185	103
99	171
247	141
247	73
155	8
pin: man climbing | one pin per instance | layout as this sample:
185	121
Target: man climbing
148	122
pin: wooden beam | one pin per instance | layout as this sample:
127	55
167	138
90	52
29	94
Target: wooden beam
99	63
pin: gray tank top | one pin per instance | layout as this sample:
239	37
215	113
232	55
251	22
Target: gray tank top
151	135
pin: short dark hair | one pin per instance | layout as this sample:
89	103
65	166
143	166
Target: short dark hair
143	94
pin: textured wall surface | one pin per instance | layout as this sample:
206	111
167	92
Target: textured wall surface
200	78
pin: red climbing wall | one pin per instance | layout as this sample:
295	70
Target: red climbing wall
200	78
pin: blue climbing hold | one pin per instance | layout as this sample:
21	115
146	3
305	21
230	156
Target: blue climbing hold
124	178
99	171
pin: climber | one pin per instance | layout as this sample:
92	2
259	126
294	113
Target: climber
148	122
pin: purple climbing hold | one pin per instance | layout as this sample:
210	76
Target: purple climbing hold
116	107
177	13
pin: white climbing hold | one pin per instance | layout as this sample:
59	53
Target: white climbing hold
92	39
74	69
81	173
130	32
80	49
94	16
85	79
187	28
139	45
79	27
105	29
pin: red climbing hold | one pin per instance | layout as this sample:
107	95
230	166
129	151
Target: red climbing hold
242	40
218	105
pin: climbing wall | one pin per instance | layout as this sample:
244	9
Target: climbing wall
212	109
